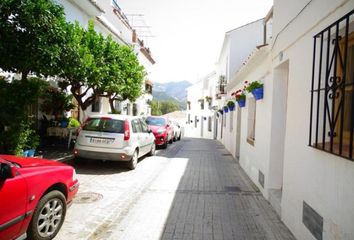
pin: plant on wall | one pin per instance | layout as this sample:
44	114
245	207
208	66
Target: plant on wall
240	97
256	88
231	105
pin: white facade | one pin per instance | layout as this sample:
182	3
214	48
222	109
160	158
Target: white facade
321	180
312	190
200	119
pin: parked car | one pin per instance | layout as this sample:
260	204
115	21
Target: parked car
34	196
176	131
162	129
114	137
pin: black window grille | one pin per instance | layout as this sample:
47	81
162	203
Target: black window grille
332	101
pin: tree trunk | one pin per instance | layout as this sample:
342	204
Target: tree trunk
111	104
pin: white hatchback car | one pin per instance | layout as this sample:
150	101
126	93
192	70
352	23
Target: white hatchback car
114	138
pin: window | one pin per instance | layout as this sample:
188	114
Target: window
95	107
189	118
224	119
104	125
195	121
209	124
136	126
144	127
332	100
251	121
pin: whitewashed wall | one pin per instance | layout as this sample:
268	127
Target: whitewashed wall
322	180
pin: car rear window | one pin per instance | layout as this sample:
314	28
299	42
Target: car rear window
156	121
104	125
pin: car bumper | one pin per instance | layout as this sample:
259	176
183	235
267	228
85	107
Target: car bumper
160	139
106	154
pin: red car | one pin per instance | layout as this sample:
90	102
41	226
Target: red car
34	195
162	129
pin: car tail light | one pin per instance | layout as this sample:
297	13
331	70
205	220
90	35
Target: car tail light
126	130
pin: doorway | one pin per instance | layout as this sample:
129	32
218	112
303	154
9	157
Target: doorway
278	131
238	133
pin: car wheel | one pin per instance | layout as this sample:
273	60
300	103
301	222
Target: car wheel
165	144
171	140
48	217
134	161
179	137
152	151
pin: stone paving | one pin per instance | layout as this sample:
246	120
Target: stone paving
192	190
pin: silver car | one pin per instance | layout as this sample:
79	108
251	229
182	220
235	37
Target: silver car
114	138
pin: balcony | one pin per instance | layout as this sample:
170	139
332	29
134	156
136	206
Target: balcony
91	7
221	87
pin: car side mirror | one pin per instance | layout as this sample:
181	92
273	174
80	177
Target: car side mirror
6	171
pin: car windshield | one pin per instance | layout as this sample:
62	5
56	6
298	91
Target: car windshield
156	121
104	125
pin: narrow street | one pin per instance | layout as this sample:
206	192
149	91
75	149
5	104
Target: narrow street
192	190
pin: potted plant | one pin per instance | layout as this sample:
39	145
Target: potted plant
240	97
231	105
226	109
209	100
256	88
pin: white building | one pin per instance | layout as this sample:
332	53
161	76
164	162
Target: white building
317	180
201	119
109	19
296	144
237	46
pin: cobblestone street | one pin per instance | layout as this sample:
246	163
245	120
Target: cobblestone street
192	190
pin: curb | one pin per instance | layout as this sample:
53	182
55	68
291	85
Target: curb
65	159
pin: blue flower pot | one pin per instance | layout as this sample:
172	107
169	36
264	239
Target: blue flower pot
30	153
25	153
226	109
258	93
64	124
241	102
232	108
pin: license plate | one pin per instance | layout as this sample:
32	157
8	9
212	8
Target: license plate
101	140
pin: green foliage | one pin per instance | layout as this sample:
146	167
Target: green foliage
56	102
21	137
16	98
230	104
163	107
253	85
32	36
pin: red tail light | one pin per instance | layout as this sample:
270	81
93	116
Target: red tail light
126	130
81	127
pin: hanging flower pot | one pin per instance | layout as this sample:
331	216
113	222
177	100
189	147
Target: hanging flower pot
256	88
226	109
241	103
221	112
231	105
258	93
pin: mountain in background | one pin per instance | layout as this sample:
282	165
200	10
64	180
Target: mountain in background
176	90
171	91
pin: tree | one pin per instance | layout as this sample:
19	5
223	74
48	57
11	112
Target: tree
32	36
82	64
163	107
126	74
